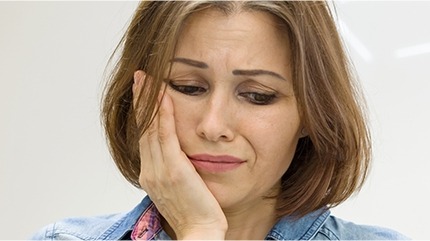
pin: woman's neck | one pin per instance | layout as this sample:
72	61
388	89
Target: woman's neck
247	222
252	221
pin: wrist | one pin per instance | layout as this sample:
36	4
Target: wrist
217	233
203	235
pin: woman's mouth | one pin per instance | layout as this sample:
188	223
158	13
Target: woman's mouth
215	164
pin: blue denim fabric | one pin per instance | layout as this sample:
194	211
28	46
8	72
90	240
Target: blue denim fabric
319	225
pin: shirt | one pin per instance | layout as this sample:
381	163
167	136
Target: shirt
143	223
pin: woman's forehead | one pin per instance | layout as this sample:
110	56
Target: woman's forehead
242	40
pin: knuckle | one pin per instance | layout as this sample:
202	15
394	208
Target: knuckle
146	178
152	132
143	184
163	134
147	183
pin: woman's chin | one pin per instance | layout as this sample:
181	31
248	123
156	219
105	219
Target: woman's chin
226	195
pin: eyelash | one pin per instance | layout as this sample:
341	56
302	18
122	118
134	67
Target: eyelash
255	98
187	89
258	98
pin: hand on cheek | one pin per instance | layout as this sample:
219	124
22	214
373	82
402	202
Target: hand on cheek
172	182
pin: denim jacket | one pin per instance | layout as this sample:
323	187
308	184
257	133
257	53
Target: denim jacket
319	225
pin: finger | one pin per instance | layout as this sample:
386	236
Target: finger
167	131
147	168
145	155
138	77
151	155
146	163
152	136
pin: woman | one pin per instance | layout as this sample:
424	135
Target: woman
240	120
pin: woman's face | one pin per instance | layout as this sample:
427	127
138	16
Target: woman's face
235	110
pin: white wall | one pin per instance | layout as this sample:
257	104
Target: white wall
53	158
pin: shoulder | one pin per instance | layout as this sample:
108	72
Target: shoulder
337	229
83	228
106	227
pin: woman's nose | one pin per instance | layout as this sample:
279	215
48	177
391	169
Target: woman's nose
216	122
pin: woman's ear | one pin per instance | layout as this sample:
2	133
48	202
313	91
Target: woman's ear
138	78
303	132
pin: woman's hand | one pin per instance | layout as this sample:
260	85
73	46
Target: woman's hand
171	181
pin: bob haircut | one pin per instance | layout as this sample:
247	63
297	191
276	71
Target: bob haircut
330	163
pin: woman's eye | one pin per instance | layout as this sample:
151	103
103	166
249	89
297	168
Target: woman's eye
258	98
188	89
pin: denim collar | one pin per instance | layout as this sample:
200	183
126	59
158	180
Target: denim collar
287	228
303	228
126	223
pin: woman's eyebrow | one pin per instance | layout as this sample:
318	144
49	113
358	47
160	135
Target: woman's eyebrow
191	62
250	72
254	72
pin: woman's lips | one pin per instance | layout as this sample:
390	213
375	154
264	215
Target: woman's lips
210	163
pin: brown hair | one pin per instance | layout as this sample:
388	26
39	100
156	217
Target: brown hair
329	165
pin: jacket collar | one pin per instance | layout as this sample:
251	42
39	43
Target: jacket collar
303	228
287	228
126	223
